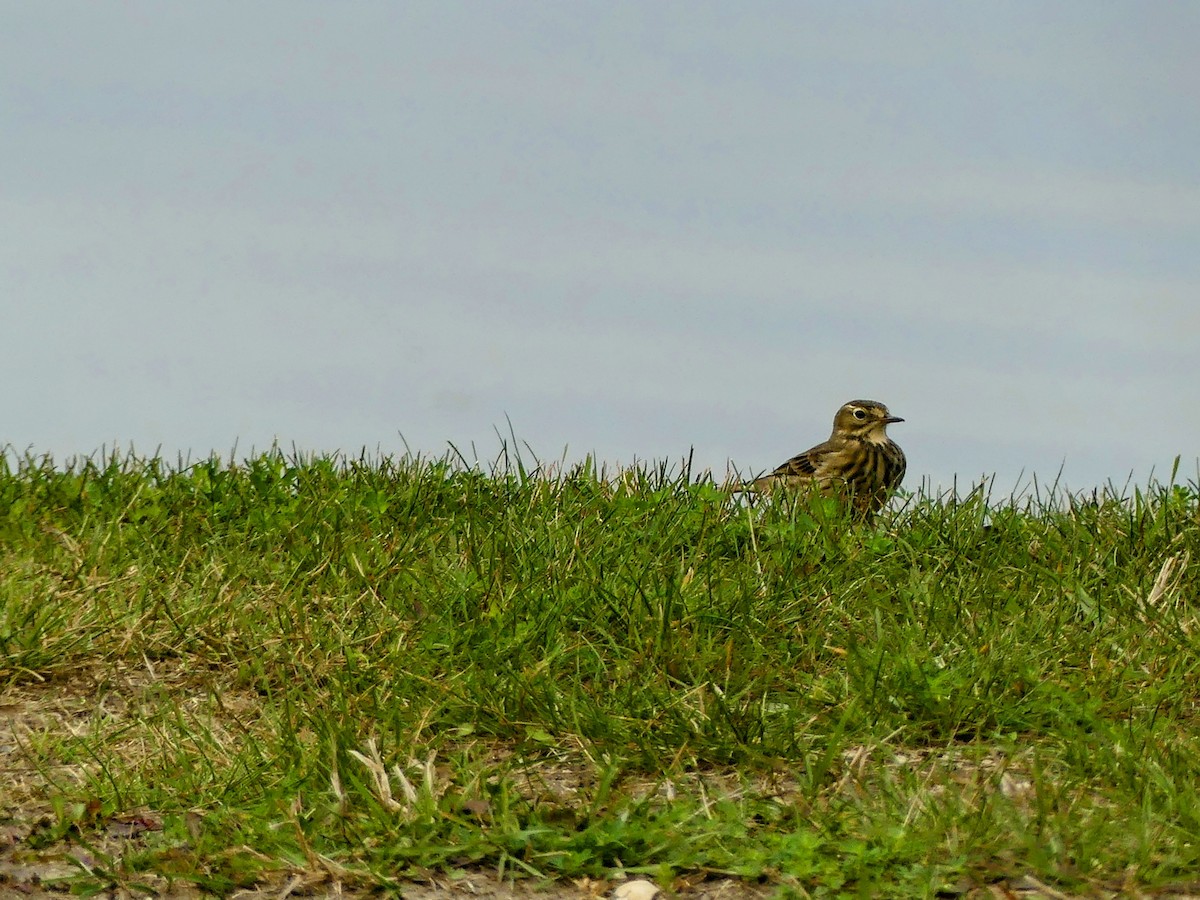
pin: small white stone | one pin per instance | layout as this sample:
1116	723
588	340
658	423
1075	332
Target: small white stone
636	890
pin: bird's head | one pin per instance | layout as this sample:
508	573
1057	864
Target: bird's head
865	420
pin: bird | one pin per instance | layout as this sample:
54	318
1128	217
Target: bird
859	461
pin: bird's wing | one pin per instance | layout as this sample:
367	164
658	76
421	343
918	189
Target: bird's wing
807	464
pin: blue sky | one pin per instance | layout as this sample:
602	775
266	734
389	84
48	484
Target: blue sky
630	228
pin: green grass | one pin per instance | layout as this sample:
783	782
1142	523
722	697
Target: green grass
382	668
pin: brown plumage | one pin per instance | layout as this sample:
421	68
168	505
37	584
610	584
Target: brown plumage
858	461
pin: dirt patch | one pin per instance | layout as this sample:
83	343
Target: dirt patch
36	861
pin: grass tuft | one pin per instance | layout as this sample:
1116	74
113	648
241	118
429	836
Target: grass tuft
379	668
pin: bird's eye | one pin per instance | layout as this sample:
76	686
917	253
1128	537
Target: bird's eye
860	414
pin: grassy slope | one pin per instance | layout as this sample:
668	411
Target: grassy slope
387	667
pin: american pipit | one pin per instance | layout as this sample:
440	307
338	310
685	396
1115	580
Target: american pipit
859	461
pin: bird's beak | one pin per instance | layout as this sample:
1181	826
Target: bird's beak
890	419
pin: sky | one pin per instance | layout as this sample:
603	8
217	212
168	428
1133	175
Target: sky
632	230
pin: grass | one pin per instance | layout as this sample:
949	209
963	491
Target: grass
369	671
